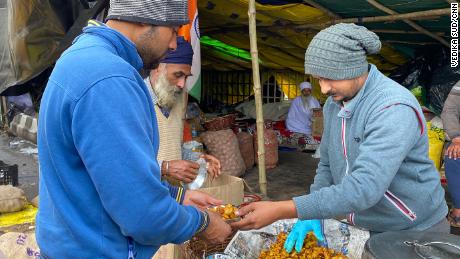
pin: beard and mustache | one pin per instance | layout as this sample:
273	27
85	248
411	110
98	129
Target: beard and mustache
306	100
166	93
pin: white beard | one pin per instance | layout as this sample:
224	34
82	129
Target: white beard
305	101
166	93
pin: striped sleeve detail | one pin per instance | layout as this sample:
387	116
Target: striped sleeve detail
95	23
204	222
177	193
180	195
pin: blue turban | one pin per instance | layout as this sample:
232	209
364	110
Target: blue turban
182	55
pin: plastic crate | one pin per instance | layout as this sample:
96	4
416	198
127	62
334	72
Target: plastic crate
8	174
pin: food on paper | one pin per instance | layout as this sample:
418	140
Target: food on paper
310	249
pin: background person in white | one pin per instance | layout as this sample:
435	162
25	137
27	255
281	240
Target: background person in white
300	113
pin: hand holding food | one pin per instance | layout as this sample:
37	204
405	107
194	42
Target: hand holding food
260	214
217	231
200	199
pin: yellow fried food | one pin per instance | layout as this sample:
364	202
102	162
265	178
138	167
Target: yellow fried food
310	250
227	212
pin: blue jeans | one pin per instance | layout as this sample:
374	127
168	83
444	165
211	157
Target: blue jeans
453	179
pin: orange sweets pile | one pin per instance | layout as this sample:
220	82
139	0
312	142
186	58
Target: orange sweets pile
310	250
227	212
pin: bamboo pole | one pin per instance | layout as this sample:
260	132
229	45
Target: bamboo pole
404	32
4	110
411	23
258	96
410	42
386	18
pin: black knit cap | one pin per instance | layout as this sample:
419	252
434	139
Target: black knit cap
155	12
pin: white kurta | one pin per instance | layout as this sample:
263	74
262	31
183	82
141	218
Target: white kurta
299	116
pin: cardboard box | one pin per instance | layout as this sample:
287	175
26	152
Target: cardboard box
228	188
317	122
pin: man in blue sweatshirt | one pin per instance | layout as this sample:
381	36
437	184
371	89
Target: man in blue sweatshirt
374	167
100	189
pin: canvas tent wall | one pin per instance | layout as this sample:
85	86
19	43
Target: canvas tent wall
35	33
285	28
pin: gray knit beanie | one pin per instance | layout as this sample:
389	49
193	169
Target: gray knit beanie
339	52
155	12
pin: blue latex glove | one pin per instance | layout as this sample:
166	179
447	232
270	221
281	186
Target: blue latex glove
300	231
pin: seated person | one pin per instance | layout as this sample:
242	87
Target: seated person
300	114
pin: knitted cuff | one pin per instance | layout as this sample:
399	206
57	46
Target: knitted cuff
307	207
177	193
204	222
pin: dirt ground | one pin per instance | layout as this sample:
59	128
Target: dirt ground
292	177
25	155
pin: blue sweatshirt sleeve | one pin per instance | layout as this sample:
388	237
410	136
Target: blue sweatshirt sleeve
373	171
112	131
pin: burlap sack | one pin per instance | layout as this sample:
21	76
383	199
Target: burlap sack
245	142
271	148
223	144
11	199
19	245
34	201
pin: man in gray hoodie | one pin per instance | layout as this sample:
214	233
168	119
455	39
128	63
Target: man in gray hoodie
451	120
374	167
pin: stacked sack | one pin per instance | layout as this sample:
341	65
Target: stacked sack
245	141
271	148
12	199
223	144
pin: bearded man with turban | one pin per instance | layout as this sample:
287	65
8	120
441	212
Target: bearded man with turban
301	111
167	87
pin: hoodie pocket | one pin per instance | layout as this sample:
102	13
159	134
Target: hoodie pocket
400	205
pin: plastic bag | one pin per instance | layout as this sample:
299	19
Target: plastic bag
413	73
443	80
27	215
34	33
436	144
192	150
201	177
